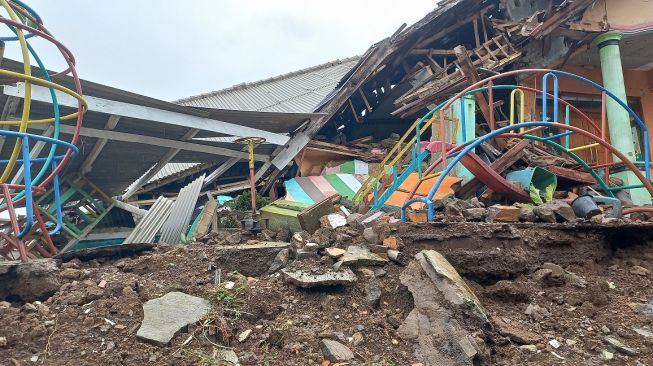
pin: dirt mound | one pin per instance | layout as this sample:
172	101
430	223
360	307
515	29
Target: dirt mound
580	295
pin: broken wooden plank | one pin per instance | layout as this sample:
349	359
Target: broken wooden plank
207	217
572	175
500	165
309	219
470	73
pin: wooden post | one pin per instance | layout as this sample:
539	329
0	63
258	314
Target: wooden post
469	71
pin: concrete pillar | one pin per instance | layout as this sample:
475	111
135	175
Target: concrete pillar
618	118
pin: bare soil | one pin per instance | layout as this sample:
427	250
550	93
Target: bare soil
83	324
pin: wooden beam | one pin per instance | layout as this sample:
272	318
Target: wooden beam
470	73
500	165
367	104
155	141
476	35
353	110
108	106
452	28
431	52
87	165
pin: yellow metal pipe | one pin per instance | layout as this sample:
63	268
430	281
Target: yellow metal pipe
583	147
521	107
28	93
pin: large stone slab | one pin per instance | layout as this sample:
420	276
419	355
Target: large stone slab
307	279
451	285
166	315
446	314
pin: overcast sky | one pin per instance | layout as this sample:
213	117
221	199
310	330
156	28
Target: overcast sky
173	49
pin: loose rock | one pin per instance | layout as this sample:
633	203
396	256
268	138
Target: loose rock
329	278
166	315
640	271
335	351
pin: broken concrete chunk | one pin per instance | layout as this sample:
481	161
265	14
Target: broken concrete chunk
555	211
324	236
560	276
562	210
280	261
373	293
361	256
456	208
335	252
397	257
444	314
242	337
306	254
355	221
311	247
501	213
370	218
475	214
545	213
299	239
619	346
526	214
226	357
537	312
166	315
333	221
335	351
370	235
328	278
234	238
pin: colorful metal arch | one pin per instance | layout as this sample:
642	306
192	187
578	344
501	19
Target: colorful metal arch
526	129
25	23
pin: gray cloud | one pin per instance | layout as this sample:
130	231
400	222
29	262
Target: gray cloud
170	49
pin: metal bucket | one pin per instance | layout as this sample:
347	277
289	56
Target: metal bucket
585	207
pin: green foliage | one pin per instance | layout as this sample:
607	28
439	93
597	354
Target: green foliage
228	298
244	202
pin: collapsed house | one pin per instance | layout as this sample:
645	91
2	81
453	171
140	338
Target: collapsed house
352	110
498	132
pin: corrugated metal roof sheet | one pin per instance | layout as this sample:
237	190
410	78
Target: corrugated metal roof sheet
296	92
149	225
167	171
181	212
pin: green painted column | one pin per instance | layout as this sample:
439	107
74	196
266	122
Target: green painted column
618	118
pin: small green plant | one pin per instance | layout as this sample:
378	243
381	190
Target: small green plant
244	202
228	297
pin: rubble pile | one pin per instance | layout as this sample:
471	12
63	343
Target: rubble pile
355	291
